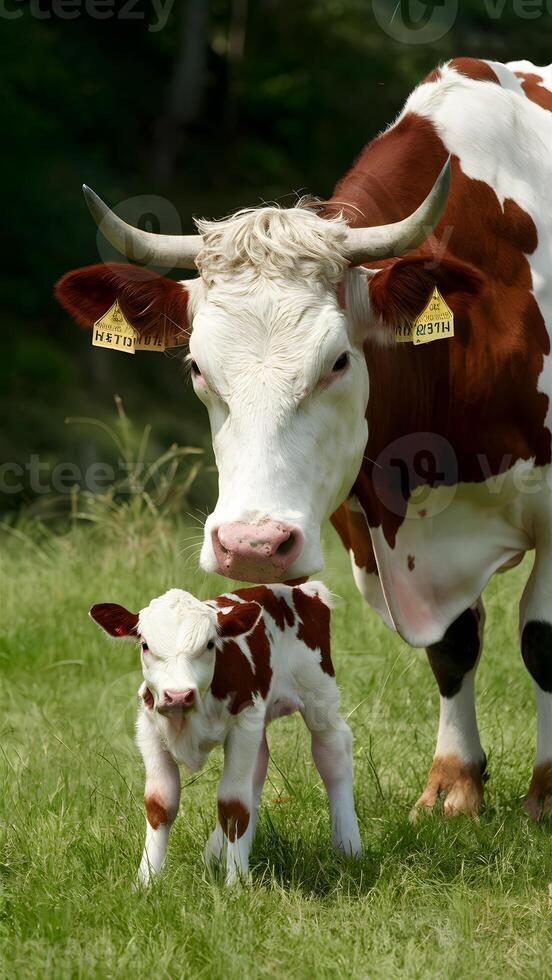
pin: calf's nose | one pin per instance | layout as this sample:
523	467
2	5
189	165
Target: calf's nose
179	699
256	552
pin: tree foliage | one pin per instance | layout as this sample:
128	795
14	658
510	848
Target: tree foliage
280	99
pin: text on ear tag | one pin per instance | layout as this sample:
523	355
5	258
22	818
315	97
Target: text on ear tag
147	342
403	334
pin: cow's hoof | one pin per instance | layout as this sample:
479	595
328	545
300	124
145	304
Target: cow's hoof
143	880
460	783
538	802
348	843
237	876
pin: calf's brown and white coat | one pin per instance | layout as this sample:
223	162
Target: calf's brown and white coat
218	672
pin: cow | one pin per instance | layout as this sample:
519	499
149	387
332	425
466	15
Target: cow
432	460
218	672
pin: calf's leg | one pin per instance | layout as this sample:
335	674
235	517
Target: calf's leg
235	794
216	844
161	798
459	763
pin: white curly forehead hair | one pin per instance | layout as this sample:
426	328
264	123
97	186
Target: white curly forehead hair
177	622
273	243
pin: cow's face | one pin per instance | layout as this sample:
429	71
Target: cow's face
272	356
285	383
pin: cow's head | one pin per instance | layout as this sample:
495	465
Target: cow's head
178	636
275	354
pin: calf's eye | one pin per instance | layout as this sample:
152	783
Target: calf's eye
194	367
210	645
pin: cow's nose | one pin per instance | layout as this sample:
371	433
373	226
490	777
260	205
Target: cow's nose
256	552
179	699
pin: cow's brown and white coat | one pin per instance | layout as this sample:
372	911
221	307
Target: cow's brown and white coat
435	461
218	672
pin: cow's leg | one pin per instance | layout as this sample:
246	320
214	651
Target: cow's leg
331	743
214	850
536	648
235	797
161	797
350	523
459	763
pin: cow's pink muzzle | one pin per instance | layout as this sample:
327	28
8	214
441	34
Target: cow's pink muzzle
256	552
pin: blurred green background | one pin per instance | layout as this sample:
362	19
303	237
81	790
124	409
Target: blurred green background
230	103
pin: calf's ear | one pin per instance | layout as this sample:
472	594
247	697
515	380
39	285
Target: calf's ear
115	620
153	304
241	618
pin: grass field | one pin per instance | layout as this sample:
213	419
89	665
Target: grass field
458	899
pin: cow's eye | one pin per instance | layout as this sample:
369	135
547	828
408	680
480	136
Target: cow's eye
145	647
194	368
210	645
341	363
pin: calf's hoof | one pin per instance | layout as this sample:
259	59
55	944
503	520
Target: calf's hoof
538	802
460	783
215	848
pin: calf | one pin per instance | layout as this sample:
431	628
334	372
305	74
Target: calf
218	672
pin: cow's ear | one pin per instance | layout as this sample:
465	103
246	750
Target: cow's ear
115	620
240	618
382	299
153	304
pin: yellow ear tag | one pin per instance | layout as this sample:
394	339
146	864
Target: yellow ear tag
114	331
435	322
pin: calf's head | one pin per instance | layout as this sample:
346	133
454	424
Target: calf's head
275	354
178	637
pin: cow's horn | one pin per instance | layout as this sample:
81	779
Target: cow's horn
386	241
145	247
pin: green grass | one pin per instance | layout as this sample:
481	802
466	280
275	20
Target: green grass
441	898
